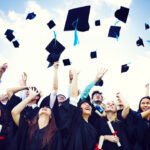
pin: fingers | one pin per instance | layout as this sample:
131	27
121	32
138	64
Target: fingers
56	65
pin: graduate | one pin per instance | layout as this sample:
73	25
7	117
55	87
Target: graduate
111	139
41	132
137	124
73	123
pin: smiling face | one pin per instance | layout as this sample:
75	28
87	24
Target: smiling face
45	111
86	108
145	104
61	98
110	107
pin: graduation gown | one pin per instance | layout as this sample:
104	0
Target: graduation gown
21	141
138	130
27	113
119	127
77	134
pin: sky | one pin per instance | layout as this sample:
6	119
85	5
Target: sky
34	35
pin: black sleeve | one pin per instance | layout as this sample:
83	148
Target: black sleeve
15	100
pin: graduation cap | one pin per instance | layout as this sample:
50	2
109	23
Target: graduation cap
52	57
66	62
55	47
31	16
122	14
147	26
93	55
114	31
9	34
82	15
124	68
97	23
51	24
16	44
87	100
99	83
139	42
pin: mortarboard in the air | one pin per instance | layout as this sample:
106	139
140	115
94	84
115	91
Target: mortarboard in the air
66	62
93	55
97	23
99	83
16	44
9	34
55	47
52	57
122	14
31	16
124	68
78	18
147	26
139	42
51	24
114	31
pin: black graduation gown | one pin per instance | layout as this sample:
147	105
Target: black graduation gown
27	113
77	134
22	140
119	127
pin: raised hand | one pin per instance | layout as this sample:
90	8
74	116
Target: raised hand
23	80
56	65
33	92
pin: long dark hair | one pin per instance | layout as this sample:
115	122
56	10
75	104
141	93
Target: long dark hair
140	110
49	132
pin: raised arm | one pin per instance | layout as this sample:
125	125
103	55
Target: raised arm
99	76
12	91
55	85
23	82
126	106
19	108
3	69
147	89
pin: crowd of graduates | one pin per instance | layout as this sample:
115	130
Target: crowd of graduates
77	121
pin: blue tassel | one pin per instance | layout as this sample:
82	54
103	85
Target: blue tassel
76	40
55	38
117	37
116	23
148	41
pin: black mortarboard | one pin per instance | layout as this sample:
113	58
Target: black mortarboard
9	34
45	102
31	16
52	57
66	62
99	83
15	43
87	100
51	24
82	15
97	23
93	55
114	31
55	47
147	26
139	42
122	14
124	68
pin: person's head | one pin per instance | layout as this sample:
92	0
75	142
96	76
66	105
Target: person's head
86	109
97	97
45	111
61	98
51	128
110	107
36	99
4	98
144	104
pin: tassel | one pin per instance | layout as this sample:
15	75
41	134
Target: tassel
76	40
55	39
116	23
